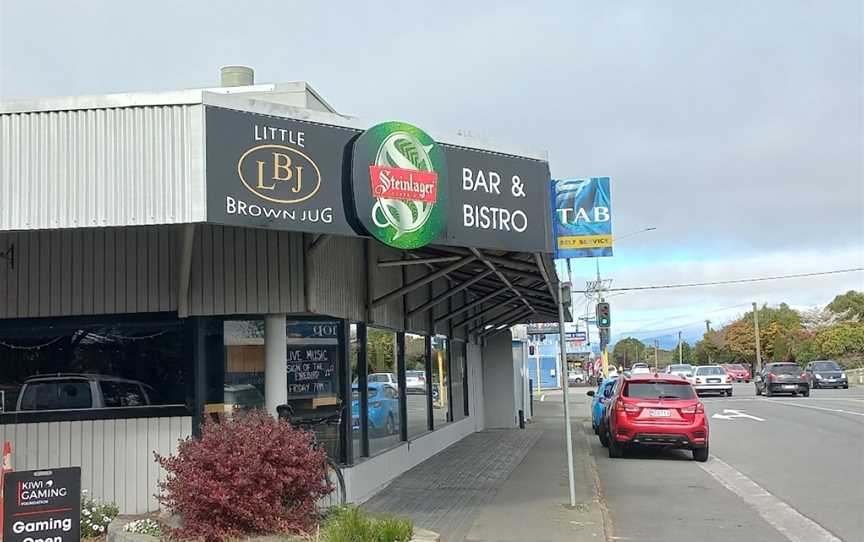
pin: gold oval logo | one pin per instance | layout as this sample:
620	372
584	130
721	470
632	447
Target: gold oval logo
279	174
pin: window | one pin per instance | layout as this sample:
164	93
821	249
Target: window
122	394
354	360
416	387
56	395
440	381
243	387
94	364
383	421
659	390
460	381
710	371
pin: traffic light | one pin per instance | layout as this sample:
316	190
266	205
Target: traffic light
604	319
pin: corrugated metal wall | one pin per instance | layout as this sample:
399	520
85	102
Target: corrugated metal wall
101	167
88	271
246	271
234	271
115	456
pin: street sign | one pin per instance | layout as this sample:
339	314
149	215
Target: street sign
42	505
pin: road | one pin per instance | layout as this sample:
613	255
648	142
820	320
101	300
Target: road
797	475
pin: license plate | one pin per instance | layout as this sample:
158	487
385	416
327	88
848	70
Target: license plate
713	380
790	386
659	413
829	379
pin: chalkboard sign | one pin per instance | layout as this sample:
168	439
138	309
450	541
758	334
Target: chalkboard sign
312	369
42	505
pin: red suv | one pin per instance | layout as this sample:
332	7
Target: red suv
654	410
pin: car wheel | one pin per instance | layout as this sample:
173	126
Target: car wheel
390	428
596	430
846	386
758	390
729	393
806	393
700	454
615	450
767	391
604	439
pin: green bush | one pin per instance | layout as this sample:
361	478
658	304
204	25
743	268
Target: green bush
350	524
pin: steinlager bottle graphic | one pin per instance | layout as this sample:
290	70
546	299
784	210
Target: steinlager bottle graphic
406	185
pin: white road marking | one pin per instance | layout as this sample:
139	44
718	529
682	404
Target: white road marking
729	414
543	397
788	403
788	521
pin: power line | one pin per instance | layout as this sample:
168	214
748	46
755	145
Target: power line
737	281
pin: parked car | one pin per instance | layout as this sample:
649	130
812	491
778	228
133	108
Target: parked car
83	391
387	378
712	378
782	378
655	410
684	370
574	378
737	372
598	402
383	408
640	369
826	374
415	382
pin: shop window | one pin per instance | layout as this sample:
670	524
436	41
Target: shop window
416	386
244	366
459	381
440	381
382	391
354	361
92	368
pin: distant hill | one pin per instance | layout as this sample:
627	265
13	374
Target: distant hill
668	337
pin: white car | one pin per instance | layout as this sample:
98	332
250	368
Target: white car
415	382
640	369
712	378
386	378
575	377
683	370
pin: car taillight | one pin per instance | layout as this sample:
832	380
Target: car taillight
629	407
698	408
803	376
698	380
771	376
422	378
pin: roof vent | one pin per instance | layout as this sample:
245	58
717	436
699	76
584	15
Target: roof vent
237	76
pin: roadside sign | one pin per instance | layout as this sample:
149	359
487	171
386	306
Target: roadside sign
581	217
42	505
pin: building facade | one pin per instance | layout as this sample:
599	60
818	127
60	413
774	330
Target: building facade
170	258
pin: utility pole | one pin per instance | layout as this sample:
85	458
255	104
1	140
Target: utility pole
708	330
758	341
680	349
656	355
567	430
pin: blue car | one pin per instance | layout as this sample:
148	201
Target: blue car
383	408
598	404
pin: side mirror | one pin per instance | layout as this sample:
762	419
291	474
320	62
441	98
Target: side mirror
590	393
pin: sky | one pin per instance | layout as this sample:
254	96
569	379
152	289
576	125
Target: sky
736	129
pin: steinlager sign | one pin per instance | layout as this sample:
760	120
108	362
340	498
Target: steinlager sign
399	178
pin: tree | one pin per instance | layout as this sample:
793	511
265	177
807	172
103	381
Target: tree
845	338
628	351
686	353
849	306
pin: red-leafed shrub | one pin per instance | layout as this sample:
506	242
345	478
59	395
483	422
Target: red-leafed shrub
250	474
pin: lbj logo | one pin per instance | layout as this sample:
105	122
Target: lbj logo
279	174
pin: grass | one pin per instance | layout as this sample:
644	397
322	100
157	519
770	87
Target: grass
350	524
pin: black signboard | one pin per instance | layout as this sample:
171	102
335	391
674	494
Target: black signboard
278	173
312	358
271	172
42	505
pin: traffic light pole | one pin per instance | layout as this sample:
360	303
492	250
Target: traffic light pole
564	386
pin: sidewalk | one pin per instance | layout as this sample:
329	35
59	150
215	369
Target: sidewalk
504	485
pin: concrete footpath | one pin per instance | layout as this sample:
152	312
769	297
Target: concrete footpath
505	485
